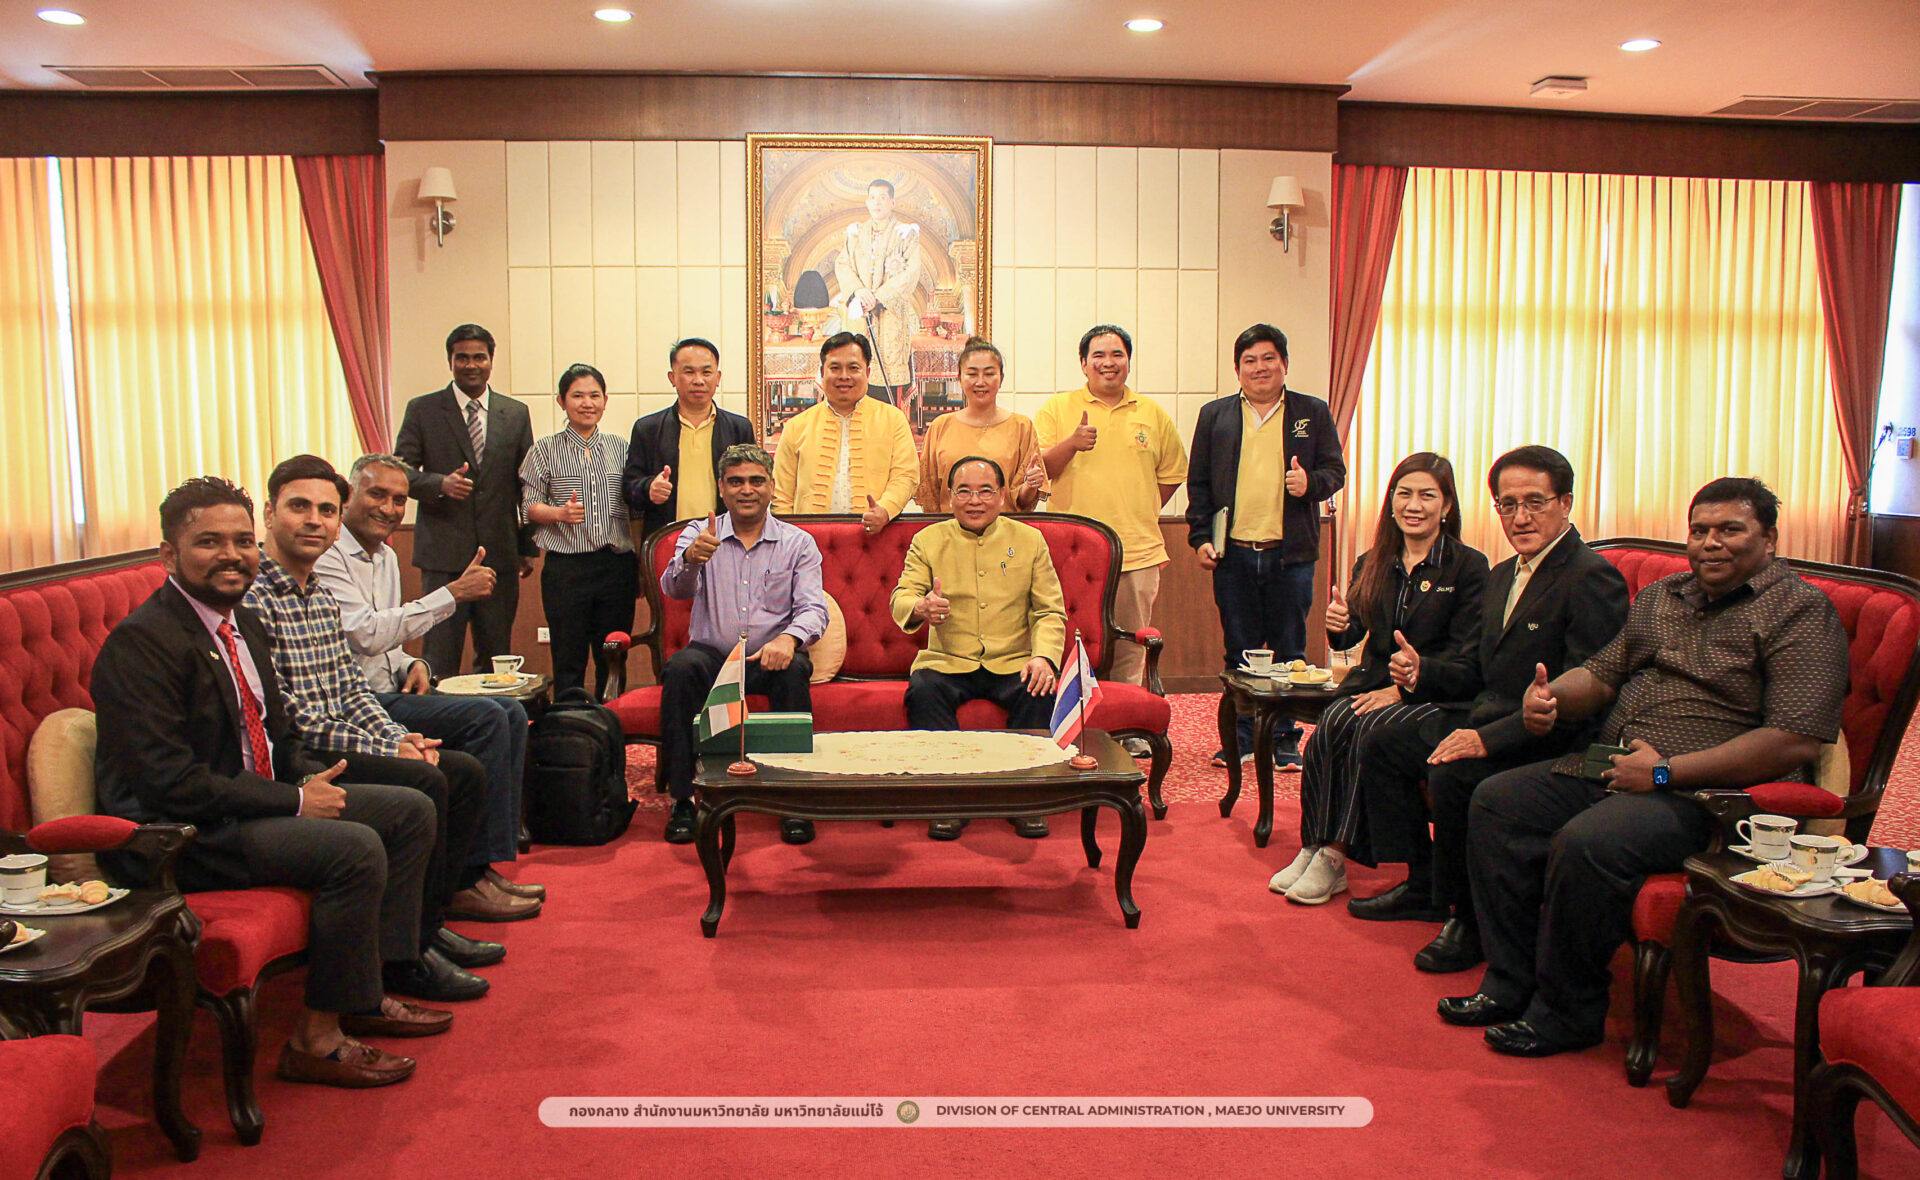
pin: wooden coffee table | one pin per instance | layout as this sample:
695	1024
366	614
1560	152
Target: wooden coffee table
1017	794
1268	702
1831	940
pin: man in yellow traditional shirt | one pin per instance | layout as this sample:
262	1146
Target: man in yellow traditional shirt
847	452
988	590
1115	456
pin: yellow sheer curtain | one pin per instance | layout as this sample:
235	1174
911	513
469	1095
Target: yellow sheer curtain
35	524
1658	332
201	337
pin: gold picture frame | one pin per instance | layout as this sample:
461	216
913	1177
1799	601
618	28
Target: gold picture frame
812	231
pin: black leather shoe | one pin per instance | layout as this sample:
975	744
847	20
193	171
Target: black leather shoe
796	831
680	823
462	951
1030	829
1476	1011
945	829
1455	948
432	977
1520	1039
1399	904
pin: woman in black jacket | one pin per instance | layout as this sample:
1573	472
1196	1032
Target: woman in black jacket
1416	590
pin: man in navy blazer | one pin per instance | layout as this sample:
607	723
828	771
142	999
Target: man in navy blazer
1268	455
663	481
465	444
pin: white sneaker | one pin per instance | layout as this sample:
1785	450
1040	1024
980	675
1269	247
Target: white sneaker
1284	879
1326	876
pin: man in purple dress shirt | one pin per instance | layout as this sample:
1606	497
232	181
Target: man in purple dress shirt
745	572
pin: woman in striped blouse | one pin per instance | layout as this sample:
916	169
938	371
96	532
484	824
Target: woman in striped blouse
570	487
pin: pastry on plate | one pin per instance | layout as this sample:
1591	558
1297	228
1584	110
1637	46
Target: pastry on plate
1871	891
94	892
1779	878
61	893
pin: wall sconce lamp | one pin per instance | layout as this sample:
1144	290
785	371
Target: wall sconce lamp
436	185
1285	196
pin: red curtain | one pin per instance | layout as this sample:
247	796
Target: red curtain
1366	216
1854	226
343	199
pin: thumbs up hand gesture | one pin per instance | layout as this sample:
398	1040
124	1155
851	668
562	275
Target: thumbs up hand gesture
704	543
1296	479
1085	434
874	518
573	511
476	581
455	485
1539	708
1036	477
934	608
662	485
1338	619
1404	666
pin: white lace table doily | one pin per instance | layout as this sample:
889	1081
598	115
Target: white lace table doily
921	751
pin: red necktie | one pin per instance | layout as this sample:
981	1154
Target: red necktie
249	707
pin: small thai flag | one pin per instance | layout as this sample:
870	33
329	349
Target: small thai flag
1076	696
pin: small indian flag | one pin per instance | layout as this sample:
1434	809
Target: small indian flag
726	705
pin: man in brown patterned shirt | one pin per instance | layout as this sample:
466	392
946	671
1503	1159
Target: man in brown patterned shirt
1726	676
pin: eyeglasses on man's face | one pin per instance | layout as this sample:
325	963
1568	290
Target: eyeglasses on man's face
1534	505
976	495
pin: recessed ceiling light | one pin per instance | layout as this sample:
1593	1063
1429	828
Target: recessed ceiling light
60	16
1146	25
1639	45
613	16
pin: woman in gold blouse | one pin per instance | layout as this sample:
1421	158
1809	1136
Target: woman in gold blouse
981	427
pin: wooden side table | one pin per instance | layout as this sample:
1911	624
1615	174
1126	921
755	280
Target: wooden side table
1831	940
1269	703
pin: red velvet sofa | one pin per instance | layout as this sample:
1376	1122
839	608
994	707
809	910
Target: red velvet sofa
1869	1048
47	1128
1881	613
870	691
52	623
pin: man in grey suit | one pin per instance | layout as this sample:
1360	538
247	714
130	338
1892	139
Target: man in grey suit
465	444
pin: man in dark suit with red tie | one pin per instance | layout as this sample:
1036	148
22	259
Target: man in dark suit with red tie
199	735
465	444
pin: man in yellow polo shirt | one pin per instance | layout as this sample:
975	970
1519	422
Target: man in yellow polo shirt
1268	456
1115	456
987	588
847	452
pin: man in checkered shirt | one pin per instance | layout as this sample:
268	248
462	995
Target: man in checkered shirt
334	711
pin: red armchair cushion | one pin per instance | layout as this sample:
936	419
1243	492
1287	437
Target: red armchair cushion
1656	906
1801	800
245	929
46	1089
81	833
1129	706
1877	1029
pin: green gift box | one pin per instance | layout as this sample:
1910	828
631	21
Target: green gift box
767	733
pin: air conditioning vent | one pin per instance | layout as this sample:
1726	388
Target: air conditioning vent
1856	110
303	77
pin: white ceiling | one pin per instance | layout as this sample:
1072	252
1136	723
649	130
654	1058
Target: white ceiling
1479	52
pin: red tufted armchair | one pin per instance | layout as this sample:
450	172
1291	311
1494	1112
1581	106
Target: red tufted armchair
860	573
1881	614
47	1128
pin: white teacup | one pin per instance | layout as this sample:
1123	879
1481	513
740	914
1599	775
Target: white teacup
22	876
1769	835
1259	659
507	665
1816	855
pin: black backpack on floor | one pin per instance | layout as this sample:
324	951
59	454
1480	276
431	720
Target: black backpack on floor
577	773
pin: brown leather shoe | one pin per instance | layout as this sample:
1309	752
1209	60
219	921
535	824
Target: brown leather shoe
397	1018
486	903
516	888
353	1066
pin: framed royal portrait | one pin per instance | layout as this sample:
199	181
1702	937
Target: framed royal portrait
885	235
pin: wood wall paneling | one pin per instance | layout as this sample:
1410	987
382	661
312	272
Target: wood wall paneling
298	123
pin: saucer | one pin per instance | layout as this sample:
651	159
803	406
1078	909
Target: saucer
1854	854
1810	889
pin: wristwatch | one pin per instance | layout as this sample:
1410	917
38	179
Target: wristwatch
1662	774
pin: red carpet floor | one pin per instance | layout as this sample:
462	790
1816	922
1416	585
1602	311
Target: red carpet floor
877	963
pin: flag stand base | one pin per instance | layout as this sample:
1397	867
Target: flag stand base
742	769
1083	762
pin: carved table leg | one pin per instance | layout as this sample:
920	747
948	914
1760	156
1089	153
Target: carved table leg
173	992
1230	743
706	841
1133	840
727	841
1821	969
1089	816
1263	774
1692	931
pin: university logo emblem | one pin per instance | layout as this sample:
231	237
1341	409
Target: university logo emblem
1299	428
1425	585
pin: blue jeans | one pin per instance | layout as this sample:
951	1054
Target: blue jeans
1262	603
491	729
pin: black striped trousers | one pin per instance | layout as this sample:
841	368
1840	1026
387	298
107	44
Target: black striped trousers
1330	811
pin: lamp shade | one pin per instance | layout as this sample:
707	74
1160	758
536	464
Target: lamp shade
436	184
1286	194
